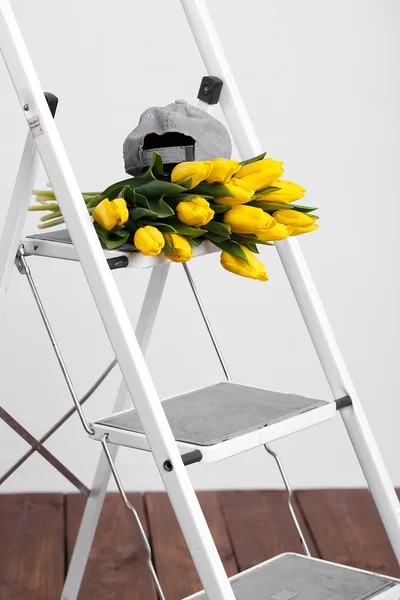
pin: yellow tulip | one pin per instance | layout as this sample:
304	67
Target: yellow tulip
109	214
288	192
254	270
196	211
149	240
293	218
261	173
249	219
198	170
243	193
279	232
307	229
223	170
182	249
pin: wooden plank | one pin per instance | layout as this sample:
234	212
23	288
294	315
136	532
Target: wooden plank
117	567
32	546
174	564
260	525
347	529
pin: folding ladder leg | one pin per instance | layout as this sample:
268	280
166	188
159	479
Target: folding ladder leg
301	282
112	311
16	216
101	479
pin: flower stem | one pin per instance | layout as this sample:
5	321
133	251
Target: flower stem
51	223
53	207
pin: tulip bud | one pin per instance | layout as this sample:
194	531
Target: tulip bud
300	222
254	270
243	193
288	192
308	229
197	170
149	240
249	219
109	214
182	249
262	173
293	218
196	211
279	232
223	169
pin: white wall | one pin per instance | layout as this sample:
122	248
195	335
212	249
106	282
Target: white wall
321	82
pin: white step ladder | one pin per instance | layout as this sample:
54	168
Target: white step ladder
209	424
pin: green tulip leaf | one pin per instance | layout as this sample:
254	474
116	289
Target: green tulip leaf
157	188
138	213
141	201
215	190
270	206
168	246
113	190
214	237
160	207
220	208
232	248
249	239
254	159
267	190
157	166
196	241
252	247
218	228
128	194
304	209
131	226
188	231
112	239
163	227
186	183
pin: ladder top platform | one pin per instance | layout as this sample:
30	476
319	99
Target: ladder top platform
58	244
222	419
296	577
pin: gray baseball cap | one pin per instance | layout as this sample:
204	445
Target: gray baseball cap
178	132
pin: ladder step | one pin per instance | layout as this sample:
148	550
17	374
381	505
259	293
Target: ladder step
58	244
296	577
222	420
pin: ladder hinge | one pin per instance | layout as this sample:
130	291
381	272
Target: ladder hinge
210	89
343	402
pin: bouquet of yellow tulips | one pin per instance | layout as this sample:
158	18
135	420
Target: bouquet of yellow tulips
234	205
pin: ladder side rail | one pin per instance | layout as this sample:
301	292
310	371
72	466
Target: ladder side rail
91	516
112	310
17	211
301	282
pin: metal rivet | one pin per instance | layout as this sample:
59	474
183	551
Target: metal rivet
168	465
26	107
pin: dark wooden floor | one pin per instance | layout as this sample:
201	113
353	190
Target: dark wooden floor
37	533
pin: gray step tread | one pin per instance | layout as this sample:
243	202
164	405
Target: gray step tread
295	577
220	412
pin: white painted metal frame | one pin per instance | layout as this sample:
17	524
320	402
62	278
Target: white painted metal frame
63	251
301	282
392	594
111	308
228	448
137	378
